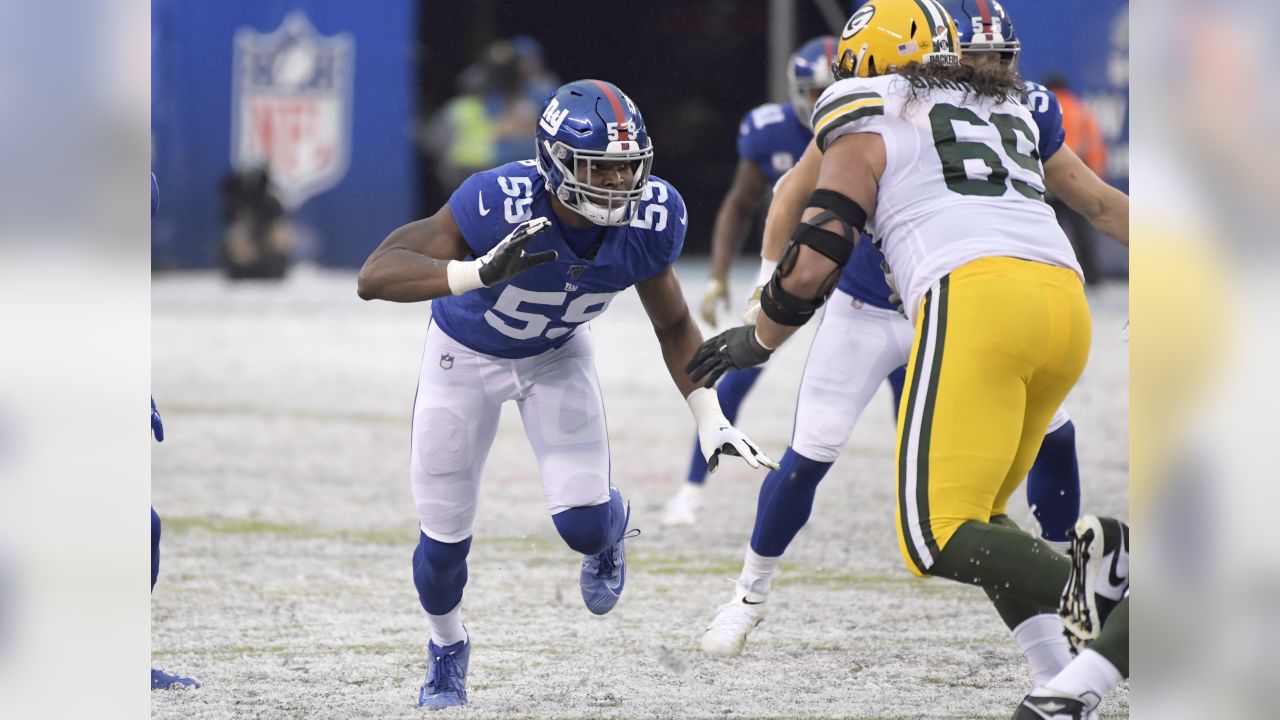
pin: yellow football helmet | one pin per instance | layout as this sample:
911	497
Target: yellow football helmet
884	35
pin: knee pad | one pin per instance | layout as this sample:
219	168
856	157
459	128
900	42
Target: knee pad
585	529
440	573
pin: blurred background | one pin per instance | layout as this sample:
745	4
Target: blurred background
303	131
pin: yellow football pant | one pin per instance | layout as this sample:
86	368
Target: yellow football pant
999	343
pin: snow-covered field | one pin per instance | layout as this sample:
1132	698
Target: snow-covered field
286	585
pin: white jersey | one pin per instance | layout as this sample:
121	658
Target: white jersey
963	179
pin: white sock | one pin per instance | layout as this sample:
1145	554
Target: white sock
447	629
1041	641
1062	547
757	575
1089	676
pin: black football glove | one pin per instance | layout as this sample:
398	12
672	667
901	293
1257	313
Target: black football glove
734	349
508	258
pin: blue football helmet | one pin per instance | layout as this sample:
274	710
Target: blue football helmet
809	69
584	124
984	26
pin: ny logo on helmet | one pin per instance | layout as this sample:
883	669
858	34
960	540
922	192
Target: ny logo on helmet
553	117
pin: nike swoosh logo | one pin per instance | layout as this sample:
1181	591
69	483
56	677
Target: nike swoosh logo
1113	576
684	219
483	210
748	602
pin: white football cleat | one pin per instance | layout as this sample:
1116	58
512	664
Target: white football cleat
727	633
1046	704
1099	577
683	507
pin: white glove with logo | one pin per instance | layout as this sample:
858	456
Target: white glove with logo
717	436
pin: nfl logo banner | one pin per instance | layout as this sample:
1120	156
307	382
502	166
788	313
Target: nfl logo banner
291	106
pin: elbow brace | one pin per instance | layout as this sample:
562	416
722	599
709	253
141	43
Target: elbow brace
785	308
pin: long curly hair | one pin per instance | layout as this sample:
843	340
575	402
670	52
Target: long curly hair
997	81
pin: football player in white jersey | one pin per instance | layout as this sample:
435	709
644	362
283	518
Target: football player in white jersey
864	341
518	263
938	161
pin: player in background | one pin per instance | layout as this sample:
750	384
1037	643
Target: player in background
771	138
860	328
518	262
160	680
938	161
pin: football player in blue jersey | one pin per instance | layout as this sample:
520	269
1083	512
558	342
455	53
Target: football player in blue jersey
160	680
862	329
771	138
518	262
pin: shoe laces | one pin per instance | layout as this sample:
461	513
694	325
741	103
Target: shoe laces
607	564
446	675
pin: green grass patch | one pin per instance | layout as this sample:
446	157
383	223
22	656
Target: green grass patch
245	526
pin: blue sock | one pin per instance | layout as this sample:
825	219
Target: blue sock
897	379
155	547
586	529
440	572
1053	485
731	391
786	499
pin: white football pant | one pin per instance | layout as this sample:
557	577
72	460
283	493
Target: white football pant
455	417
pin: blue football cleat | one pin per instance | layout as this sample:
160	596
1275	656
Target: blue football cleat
161	680
446	683
603	575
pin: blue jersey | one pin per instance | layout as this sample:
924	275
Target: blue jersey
772	138
863	277
539	309
1047	113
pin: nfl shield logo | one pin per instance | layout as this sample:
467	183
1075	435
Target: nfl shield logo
446	361
291	112
575	271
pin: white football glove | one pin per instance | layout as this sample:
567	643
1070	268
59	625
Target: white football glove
717	291
717	436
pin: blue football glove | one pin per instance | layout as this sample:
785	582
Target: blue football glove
157	425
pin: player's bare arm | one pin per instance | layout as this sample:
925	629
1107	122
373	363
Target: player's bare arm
679	337
785	210
852	166
844	198
410	264
677	334
424	260
787	206
732	222
1066	176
